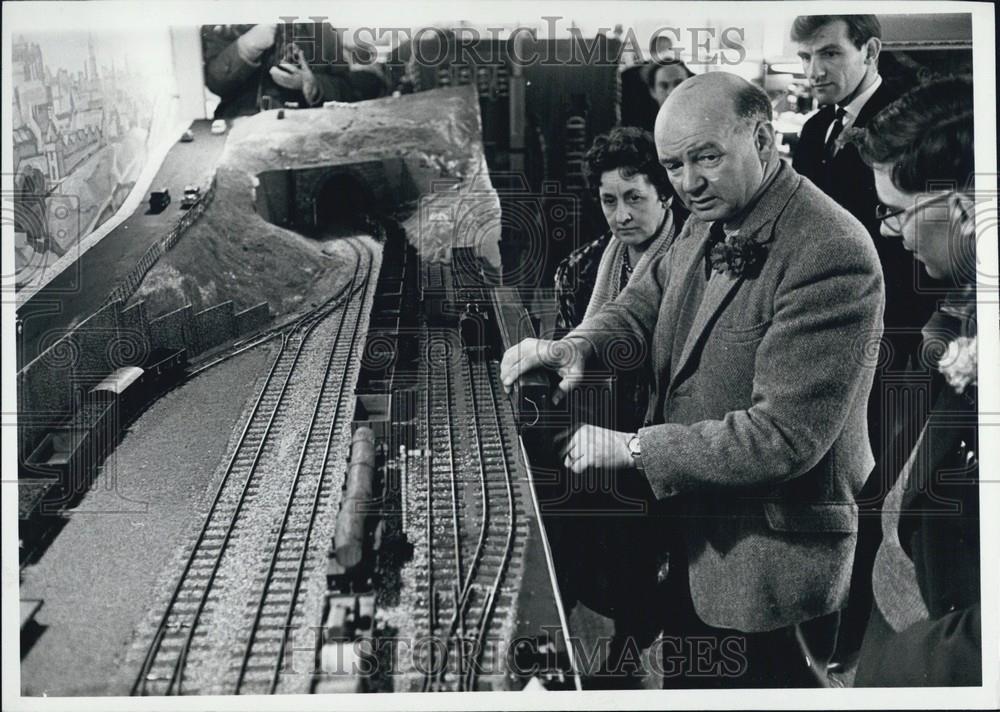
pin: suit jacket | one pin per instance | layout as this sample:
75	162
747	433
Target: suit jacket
851	183
760	424
846	179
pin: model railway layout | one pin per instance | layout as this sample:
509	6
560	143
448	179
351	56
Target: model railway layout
429	518
180	641
448	432
472	515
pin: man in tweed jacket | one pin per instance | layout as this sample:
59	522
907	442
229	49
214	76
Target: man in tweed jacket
759	322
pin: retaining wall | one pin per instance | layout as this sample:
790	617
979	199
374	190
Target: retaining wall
49	387
213	326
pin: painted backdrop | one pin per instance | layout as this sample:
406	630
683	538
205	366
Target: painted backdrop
87	108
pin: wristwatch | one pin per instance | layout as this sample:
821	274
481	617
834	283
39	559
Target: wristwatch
635	450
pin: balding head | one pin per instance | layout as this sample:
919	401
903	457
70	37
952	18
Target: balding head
715	96
715	138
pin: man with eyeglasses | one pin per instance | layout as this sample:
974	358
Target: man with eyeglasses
839	56
895	219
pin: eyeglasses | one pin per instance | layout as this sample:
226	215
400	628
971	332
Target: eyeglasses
893	218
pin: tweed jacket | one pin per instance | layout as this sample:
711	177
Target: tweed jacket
760	425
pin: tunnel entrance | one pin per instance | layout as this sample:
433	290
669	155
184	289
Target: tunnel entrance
332	200
342	204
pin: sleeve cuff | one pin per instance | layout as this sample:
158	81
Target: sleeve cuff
655	467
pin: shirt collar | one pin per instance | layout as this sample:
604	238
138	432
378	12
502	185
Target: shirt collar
853	108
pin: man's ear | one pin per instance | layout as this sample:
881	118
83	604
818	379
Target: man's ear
764	139
962	209
872	49
962	235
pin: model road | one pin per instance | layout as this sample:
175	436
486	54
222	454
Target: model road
81	289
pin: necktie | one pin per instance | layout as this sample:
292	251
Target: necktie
830	148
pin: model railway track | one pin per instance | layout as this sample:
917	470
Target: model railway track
486	605
276	332
444	544
192	608
471	520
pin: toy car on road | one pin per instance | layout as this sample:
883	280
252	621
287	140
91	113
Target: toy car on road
219	126
158	200
191	195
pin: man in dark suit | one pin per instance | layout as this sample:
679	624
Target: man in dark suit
839	56
755	434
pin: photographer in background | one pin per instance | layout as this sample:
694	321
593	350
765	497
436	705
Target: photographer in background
258	67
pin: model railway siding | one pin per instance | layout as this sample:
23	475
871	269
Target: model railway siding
467	512
243	580
474	520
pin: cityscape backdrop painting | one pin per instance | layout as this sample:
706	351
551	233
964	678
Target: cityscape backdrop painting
87	109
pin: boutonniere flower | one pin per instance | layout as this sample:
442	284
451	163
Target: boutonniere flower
736	255
959	364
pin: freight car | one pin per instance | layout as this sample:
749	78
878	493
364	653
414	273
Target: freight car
69	454
355	530
346	654
132	388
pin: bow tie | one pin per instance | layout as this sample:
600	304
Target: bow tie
737	255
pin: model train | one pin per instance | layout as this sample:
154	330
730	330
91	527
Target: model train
356	532
69	454
466	293
348	629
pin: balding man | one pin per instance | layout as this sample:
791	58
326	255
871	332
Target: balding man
756	323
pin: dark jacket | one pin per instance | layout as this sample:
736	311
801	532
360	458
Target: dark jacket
851	183
242	87
927	573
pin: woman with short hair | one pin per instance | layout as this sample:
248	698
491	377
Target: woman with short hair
624	172
616	549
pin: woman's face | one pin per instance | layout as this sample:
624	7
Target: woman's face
631	206
928	228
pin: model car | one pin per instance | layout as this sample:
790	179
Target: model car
191	195
158	200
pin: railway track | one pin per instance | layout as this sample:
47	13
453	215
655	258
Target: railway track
473	515
215	591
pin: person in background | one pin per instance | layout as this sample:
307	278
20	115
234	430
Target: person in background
638	106
663	77
622	170
258	67
924	627
755	434
840	56
615	564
